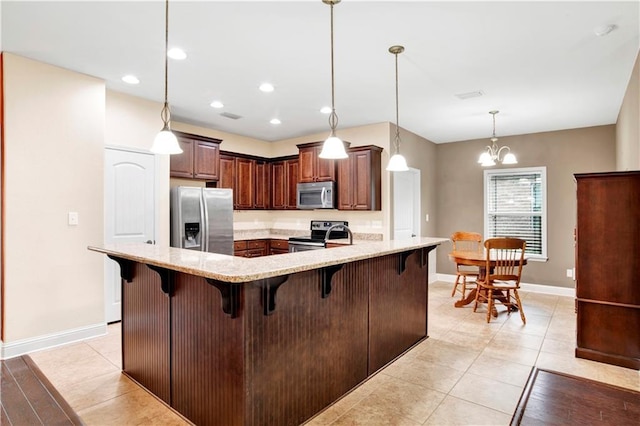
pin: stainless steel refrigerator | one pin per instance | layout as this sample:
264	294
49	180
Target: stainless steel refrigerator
202	219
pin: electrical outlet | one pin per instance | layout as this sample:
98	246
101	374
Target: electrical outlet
426	217
73	218
569	273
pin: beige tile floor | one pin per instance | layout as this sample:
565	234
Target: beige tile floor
467	372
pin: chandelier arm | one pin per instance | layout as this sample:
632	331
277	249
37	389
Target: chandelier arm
502	148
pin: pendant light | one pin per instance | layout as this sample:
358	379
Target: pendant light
397	162
166	142
492	153
333	148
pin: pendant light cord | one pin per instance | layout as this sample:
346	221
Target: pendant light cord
397	139
396	50
333	117
165	114
494	125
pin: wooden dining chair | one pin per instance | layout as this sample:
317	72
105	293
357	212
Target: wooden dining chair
465	241
505	258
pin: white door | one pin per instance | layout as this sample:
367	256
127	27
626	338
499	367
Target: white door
129	212
406	204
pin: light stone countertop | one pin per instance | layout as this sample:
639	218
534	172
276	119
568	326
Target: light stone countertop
236	269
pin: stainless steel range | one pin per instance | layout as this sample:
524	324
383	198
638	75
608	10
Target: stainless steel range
319	230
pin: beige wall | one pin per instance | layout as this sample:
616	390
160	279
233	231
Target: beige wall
420	154
54	136
132	123
460	189
628	124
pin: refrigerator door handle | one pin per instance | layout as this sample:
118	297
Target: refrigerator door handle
204	214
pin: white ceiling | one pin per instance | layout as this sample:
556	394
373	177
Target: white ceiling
539	63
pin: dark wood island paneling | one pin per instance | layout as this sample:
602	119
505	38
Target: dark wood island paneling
274	351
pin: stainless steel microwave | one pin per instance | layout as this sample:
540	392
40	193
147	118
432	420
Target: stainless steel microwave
316	195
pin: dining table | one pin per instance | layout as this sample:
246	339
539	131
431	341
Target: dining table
476	258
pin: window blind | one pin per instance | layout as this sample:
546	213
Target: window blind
515	208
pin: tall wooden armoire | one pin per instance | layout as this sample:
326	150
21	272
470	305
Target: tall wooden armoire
608	268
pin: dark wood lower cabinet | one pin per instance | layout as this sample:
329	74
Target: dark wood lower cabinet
286	352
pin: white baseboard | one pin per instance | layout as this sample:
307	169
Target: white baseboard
25	346
534	288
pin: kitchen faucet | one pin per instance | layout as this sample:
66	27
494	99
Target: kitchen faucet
345	227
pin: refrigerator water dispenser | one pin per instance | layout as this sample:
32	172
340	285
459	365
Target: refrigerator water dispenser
191	233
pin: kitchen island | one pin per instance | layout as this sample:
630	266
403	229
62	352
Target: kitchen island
271	340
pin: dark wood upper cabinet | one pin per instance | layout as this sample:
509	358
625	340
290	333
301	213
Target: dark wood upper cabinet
262	184
200	158
244	193
293	170
227	171
182	164
284	182
359	179
250	179
312	168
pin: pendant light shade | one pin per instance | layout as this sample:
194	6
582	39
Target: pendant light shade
397	163
493	153
166	142
333	147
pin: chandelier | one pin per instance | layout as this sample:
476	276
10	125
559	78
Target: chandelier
165	141
493	153
397	163
333	146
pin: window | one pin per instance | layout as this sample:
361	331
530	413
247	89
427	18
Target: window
516	206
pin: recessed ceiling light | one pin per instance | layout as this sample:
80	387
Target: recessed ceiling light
275	121
603	30
325	110
217	104
266	87
131	79
176	53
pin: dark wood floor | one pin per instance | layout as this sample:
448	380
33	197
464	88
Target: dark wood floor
551	398
28	398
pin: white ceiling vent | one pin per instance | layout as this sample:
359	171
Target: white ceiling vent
469	95
229	115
